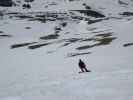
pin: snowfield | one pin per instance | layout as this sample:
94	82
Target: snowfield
39	60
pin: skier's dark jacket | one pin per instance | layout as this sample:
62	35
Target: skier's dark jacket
81	64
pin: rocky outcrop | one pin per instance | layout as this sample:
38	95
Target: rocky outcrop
6	3
90	13
28	0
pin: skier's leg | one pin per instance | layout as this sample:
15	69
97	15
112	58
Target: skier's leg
82	70
86	69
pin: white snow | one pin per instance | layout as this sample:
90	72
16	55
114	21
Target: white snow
47	73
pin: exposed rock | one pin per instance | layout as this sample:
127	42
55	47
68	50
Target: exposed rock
86	6
122	3
28	6
101	39
127	13
90	13
21	45
6	3
128	44
1	32
38	46
64	24
28	0
51	36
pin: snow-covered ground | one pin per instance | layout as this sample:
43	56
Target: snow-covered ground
51	71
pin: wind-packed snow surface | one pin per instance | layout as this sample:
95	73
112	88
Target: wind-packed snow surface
39	57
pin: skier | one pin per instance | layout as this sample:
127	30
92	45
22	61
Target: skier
82	66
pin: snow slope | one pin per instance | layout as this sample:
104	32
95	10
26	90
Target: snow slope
51	71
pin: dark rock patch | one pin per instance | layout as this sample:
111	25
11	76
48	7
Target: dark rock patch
57	29
46	16
122	3
71	0
38	45
64	24
43	20
128	44
28	0
94	21
55	16
51	36
21	45
1	14
91	13
26	6
127	13
77	17
105	41
65	44
100	39
3	35
86	6
21	16
6	3
13	13
1	32
27	27
104	34
42	16
72	40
